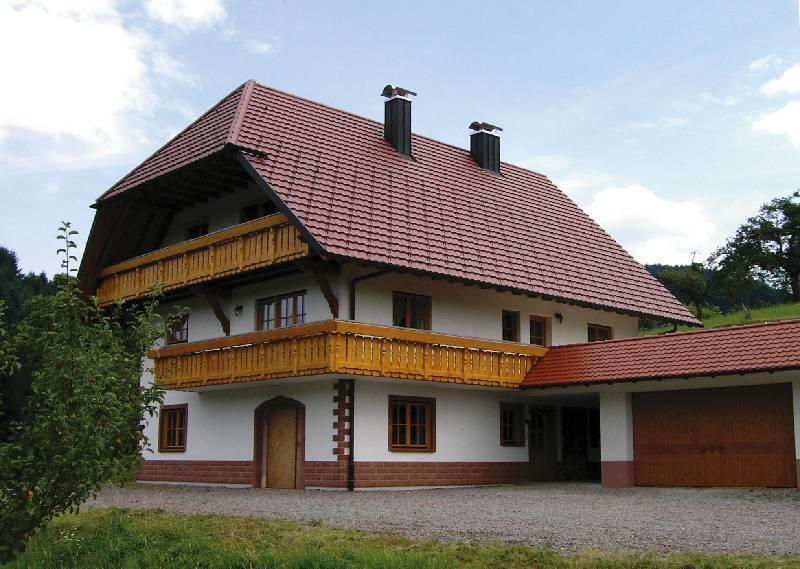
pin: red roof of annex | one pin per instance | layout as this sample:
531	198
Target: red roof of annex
439	212
752	348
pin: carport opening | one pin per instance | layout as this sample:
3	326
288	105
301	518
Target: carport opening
564	438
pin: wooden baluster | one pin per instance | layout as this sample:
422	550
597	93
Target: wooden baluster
293	355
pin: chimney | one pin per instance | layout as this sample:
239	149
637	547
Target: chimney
397	118
484	145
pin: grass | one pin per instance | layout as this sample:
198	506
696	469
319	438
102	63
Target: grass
105	538
765	314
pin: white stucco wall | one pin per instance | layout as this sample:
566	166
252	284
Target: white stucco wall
467	422
472	311
220	213
616	427
221	421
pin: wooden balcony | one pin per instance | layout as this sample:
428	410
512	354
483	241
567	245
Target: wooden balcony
343	347
260	243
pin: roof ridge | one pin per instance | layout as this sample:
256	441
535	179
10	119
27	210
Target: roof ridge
241	111
379	123
736	327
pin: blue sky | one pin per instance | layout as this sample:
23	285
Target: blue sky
669	122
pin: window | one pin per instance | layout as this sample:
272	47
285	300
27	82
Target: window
179	331
411	311
256	210
510	326
172	428
412	424
538	330
599	333
196	230
281	311
512	424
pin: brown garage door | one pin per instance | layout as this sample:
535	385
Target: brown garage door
740	436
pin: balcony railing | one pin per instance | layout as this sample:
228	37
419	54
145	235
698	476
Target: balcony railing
267	241
343	347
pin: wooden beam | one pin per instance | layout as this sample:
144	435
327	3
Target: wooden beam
212	296
317	269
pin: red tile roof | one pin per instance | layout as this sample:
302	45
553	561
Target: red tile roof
720	351
439	213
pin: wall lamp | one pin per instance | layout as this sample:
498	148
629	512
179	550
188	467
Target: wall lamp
237	310
559	317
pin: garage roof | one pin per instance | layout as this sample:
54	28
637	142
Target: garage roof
769	346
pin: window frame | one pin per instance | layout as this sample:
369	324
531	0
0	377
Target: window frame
590	327
163	426
430	403
276	299
545	329
194	224
518	425
261	210
407	297
183	327
514	314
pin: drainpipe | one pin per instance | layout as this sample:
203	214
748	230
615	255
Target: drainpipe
354	282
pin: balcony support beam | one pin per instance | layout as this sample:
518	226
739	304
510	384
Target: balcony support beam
213	295
317	269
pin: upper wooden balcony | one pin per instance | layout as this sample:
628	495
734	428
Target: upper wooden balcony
344	347
260	243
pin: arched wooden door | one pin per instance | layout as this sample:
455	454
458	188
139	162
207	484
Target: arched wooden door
279	444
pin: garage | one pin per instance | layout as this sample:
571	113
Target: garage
738	436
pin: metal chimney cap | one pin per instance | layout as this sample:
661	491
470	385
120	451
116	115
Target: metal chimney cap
390	91
478	126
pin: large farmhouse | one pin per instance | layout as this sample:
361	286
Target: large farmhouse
373	308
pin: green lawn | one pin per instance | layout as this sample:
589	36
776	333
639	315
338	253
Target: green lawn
140	539
777	312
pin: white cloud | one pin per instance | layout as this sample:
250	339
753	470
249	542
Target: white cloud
580	185
186	14
765	63
51	187
166	65
259	47
70	97
784	121
787	83
651	228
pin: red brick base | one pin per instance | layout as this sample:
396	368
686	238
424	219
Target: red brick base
617	473
207	471
383	474
329	474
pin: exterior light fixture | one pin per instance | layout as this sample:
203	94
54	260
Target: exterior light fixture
237	310
559	317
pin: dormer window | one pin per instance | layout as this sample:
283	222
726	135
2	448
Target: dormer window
411	311
257	210
196	230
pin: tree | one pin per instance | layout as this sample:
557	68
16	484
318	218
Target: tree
766	246
689	284
17	288
75	371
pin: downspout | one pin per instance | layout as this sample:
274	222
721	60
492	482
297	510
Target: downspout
354	282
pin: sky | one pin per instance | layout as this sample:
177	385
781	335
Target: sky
668	122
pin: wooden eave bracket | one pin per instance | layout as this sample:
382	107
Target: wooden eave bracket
212	296
317	269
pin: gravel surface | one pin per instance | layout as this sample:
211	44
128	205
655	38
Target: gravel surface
566	516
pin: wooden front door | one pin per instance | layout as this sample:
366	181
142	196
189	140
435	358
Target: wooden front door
280	444
739	436
542	445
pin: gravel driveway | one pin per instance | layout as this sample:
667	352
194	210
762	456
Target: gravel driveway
562	515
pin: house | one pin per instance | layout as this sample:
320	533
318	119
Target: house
374	308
